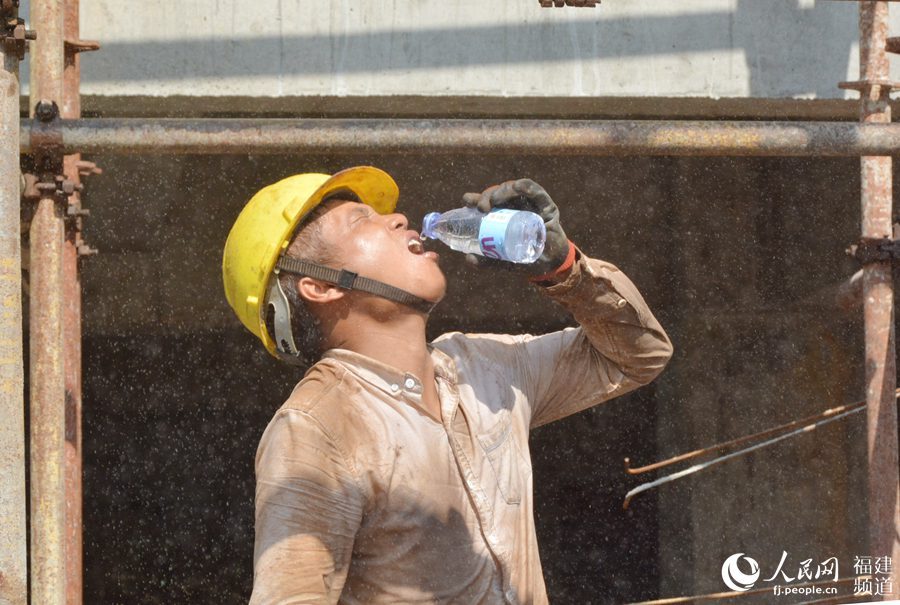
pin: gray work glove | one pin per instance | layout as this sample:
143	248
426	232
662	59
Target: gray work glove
523	194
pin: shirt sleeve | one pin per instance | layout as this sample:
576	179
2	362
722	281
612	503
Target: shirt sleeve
308	509
618	346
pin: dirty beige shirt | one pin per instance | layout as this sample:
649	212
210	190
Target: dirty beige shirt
362	497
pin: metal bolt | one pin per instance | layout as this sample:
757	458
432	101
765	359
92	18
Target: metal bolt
8	6
46	111
86	250
66	186
74	211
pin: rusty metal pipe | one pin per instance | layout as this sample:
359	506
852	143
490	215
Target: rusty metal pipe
853	407
560	137
47	407
46	381
643	487
13	537
47	51
878	295
71	108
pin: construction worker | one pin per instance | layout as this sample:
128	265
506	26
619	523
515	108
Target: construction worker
398	470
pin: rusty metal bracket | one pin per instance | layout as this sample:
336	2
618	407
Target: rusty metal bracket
60	187
62	190
892	45
876	250
862	86
43	173
560	3
13	32
86	168
80	46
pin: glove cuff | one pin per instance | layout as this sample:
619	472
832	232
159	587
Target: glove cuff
567	264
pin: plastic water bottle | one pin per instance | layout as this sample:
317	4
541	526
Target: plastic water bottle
512	235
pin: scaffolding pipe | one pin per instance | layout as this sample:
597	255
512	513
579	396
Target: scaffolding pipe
71	108
13	540
409	136
878	295
47	418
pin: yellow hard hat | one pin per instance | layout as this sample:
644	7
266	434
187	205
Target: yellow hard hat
264	228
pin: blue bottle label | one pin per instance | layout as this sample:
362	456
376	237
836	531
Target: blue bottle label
493	231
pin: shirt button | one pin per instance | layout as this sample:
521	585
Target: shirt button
409	383
395	388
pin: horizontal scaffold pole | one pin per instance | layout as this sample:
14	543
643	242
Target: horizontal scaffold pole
409	136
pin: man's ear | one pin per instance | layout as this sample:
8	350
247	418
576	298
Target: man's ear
318	291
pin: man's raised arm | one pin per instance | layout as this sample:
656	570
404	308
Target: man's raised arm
619	345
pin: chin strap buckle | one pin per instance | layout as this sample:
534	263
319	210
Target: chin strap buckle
346	279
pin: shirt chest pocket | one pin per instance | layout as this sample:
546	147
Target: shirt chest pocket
499	446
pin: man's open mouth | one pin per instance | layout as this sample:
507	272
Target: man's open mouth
414	245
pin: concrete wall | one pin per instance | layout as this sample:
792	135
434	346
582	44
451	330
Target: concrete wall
502	48
730	254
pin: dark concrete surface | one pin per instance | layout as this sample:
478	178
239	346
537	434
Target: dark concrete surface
727	252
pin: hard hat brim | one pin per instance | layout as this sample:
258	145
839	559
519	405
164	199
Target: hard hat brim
372	186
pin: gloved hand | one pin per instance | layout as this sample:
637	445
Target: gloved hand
523	194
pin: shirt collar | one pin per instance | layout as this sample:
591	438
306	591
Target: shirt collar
380	375
443	365
388	378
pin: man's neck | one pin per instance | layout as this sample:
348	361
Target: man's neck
394	338
399	343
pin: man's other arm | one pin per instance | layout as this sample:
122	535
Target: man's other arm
308	509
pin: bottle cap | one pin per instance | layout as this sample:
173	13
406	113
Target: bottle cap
428	224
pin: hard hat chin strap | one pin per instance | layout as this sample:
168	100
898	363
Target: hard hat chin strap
351	281
278	302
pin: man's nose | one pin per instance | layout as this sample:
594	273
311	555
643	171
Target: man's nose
398	221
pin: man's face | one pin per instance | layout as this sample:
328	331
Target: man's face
379	247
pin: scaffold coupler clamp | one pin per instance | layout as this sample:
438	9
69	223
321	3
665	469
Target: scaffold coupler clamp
876	250
12	29
44	174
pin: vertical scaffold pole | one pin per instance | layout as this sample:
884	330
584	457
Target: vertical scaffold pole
71	108
878	295
13	554
47	418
